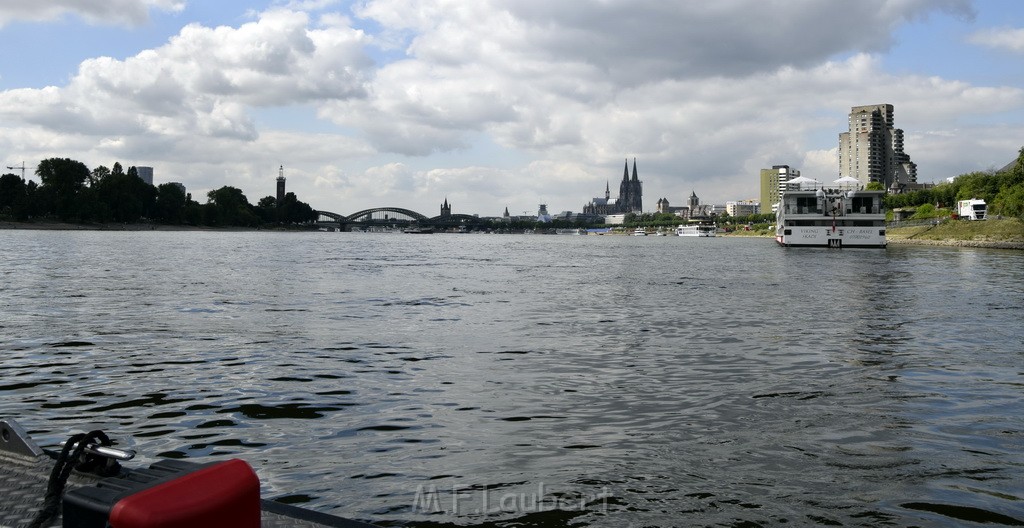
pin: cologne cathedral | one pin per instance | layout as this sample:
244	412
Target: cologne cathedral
630	198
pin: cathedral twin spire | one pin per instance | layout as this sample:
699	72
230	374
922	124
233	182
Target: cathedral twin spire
630	191
630	198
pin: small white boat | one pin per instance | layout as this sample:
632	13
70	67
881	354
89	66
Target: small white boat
696	230
639	232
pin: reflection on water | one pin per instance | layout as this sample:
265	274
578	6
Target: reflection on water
532	380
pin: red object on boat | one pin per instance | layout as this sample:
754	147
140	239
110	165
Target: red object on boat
171	494
225	494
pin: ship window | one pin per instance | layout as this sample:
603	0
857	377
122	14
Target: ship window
863	204
788	232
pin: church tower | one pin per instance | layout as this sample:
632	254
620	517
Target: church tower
630	192
280	185
622	204
446	209
636	192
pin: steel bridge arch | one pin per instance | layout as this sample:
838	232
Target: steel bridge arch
327	216
357	216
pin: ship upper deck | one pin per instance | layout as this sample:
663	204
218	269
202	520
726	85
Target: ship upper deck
832	203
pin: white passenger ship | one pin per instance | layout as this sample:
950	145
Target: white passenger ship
831	218
696	230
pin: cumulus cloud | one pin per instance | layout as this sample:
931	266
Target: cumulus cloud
202	82
521	69
637	41
498	103
112	12
1010	39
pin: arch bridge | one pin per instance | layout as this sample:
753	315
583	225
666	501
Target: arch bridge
391	217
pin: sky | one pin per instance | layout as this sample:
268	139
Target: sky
495	104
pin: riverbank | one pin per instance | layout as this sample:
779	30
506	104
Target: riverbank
63	226
1005	233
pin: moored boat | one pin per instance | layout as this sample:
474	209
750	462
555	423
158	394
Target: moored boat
696	230
639	232
831	218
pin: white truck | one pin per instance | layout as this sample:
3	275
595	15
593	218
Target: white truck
971	209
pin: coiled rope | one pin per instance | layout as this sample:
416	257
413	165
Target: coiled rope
70	458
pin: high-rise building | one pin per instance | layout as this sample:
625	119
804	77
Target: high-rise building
773	184
742	208
145	173
872	150
280	185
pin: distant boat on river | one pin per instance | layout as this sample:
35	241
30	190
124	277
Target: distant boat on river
697	230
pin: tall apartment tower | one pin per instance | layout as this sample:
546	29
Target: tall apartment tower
872	151
280	185
773	184
146	173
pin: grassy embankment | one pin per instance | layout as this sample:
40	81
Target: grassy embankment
1003	233
760	230
1007	233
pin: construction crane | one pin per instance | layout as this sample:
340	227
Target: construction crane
17	167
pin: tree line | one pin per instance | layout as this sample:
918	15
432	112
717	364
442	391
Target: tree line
70	192
1003	191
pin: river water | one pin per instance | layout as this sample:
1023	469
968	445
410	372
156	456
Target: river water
526	380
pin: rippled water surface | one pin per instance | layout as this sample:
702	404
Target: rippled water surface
536	380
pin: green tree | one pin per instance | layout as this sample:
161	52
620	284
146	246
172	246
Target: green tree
292	211
169	207
13	196
126	198
1010	202
925	211
230	208
97	175
266	208
63	179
